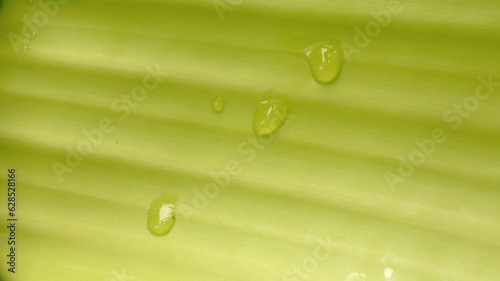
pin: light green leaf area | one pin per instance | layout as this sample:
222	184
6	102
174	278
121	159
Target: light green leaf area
396	163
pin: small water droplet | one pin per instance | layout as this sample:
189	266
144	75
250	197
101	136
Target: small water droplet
26	48
218	104
33	35
388	271
325	60
161	217
269	116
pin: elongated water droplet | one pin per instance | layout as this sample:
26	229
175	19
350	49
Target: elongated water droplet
269	116
356	277
218	104
161	217
33	35
325	60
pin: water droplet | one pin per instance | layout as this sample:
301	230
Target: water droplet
26	48
161	217
33	35
388	271
218	104
269	116
325	60
356	277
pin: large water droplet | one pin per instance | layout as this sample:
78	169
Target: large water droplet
218	104
388	271
269	116
161	217
325	60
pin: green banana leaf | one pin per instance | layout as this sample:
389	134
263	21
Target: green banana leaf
390	172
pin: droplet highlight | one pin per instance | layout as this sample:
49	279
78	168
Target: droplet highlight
325	60
218	104
161	217
269	116
33	35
